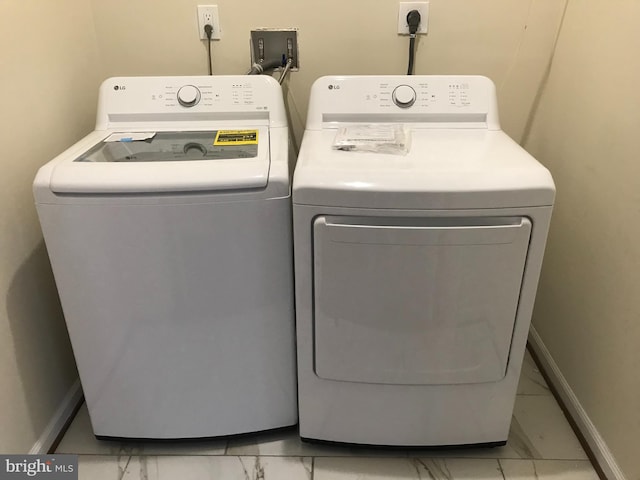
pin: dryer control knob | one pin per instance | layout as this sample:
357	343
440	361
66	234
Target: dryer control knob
188	96
404	96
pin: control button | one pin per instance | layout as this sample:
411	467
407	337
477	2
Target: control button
188	96
404	96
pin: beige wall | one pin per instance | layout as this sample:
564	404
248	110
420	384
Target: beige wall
587	131
507	40
48	83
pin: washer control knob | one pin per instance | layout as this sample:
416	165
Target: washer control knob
188	96
404	96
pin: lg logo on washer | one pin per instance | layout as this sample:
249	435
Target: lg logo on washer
119	87
334	87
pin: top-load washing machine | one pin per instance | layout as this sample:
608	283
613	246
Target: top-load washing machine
169	233
416	271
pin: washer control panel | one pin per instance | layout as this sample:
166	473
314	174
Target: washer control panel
432	98
142	100
187	96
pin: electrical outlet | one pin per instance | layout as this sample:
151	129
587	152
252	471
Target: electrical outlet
273	43
208	15
405	8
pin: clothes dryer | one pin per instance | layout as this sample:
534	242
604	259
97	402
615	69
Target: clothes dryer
415	273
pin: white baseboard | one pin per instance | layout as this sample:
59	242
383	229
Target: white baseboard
60	418
601	453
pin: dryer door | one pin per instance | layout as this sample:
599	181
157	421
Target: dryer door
416	301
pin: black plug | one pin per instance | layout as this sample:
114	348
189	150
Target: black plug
208	29
413	19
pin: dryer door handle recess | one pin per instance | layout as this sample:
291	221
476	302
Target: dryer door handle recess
437	233
416	301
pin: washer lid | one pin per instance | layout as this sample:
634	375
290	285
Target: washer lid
445	169
168	162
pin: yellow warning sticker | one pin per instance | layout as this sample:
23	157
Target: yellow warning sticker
236	137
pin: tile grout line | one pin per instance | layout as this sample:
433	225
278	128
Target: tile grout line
501	469
124	470
313	468
408	456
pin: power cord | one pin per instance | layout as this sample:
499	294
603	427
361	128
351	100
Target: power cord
413	20
208	30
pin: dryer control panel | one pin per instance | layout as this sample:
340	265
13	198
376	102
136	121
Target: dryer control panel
462	99
150	99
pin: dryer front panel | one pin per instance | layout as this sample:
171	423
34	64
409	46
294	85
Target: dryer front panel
416	301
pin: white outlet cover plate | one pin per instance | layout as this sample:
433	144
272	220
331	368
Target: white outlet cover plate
211	11
406	7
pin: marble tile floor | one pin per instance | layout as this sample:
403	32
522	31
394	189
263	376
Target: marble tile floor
541	445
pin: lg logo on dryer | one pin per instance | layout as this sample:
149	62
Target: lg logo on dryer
119	87
334	87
